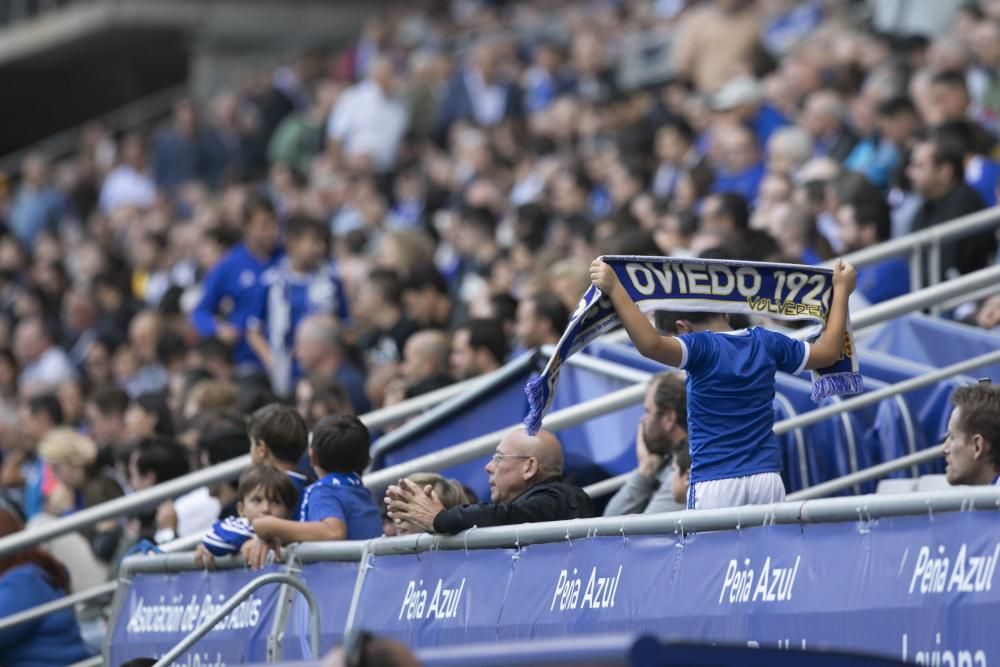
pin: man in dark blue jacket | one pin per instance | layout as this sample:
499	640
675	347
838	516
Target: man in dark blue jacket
228	297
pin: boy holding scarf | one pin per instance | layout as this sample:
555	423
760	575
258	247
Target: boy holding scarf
735	458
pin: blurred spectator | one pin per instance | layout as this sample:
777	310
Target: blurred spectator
38	204
740	169
972	446
662	430
30	578
128	185
383	326
43	363
425	362
181	152
541	320
477	347
302	283
879	155
824	118
300	135
863	220
148	415
368	121
320	347
936	171
83	483
787	150
479	92
675	151
105	410
715	41
741	101
234	278
427	300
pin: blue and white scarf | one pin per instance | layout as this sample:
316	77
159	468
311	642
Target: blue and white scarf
781	291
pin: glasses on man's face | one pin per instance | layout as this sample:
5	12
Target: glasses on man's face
499	456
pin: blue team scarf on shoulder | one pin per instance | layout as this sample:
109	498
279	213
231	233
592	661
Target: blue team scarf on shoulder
781	291
332	479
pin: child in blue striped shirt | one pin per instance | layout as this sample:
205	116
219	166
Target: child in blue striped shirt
263	491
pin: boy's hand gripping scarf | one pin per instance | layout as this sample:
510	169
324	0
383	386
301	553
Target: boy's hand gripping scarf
781	291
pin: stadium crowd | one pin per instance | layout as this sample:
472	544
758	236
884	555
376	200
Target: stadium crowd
356	228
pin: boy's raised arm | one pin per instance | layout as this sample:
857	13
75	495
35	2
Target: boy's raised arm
828	349
650	344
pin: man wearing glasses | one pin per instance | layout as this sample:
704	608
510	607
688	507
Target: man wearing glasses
525	487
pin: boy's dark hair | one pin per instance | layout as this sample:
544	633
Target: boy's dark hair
682	456
165	458
139	662
282	429
301	226
340	443
277	485
487	332
110	400
681	127
979	412
666	321
47	404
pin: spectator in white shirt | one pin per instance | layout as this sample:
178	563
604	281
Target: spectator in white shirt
128	184
369	121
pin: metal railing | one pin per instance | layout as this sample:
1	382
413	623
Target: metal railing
864	508
230	604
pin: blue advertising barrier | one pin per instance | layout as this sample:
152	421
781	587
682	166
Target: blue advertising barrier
159	610
917	588
436	597
333	583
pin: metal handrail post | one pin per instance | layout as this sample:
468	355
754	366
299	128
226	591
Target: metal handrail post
274	578
916	268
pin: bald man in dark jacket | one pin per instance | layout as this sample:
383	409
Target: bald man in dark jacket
525	487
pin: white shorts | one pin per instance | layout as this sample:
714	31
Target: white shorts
760	489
